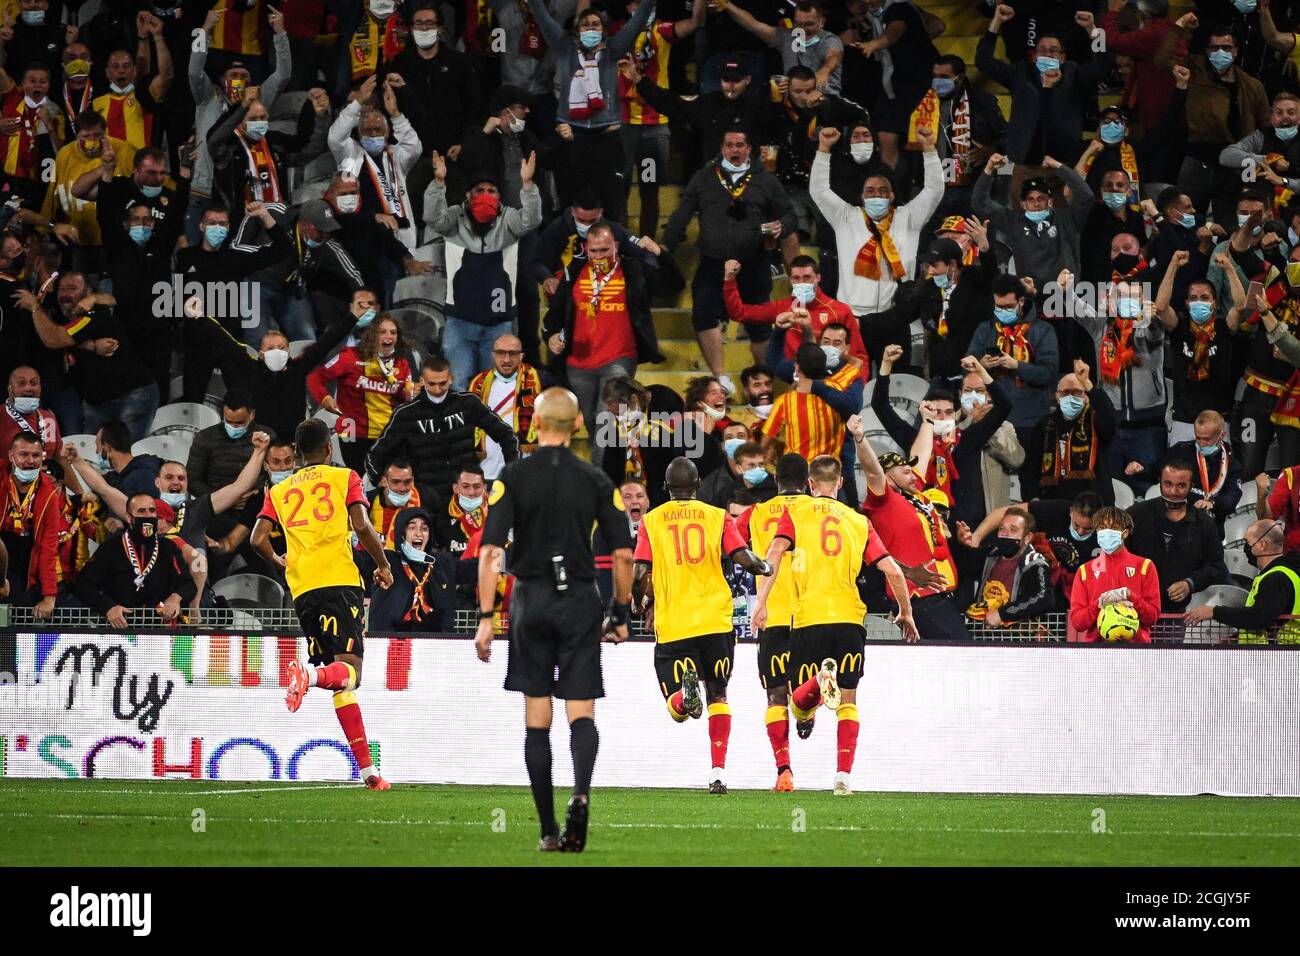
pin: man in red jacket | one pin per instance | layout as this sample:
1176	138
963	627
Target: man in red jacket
1151	86
30	523
1116	576
22	412
809	306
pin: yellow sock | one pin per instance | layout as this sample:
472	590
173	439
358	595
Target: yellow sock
847	712
776	713
720	708
352	676
800	713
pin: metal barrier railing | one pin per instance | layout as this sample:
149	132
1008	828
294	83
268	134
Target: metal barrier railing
1050	628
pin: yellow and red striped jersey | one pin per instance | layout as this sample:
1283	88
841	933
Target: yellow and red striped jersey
126	118
241	31
650	53
810	426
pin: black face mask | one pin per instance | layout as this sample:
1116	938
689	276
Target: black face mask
1172	505
144	529
1251	558
1124	262
1006	547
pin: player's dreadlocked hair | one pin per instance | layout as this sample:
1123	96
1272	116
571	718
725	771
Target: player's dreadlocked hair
311	437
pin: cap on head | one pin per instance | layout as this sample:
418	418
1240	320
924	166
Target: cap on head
508	96
733	71
942	250
317	212
892	459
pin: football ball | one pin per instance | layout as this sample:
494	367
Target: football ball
1118	622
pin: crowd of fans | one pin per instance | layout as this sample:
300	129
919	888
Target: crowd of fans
1004	326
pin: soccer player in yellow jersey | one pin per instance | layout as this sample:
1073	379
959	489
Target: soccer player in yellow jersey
758	526
831	542
318	507
680	547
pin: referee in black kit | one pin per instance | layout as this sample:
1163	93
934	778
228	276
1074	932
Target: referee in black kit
551	500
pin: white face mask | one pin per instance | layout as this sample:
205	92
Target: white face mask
276	359
33	104
383	9
121	90
943	428
861	152
762	411
516	124
425	38
349	203
717	414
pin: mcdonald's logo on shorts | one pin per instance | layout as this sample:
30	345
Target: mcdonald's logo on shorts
807	672
850	663
722	668
329	624
679	668
779	663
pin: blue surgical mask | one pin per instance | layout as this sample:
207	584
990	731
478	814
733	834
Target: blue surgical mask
1245	6
215	235
1046	64
812	40
941	280
235	433
877	207
1037	215
584	227
1241	221
151	192
1200	311
1188	220
1220	60
1285	133
942	85
256	129
312	243
413	553
26	475
1111	133
175	498
833	356
1071	406
1128	308
1291	236
804	292
399	498
755	476
470	504
734	168
1079	537
140	234
33	18
367	317
279	476
1006	316
1110	540
26	404
972	400
373	144
730	446
1206	451
590	38
1115	201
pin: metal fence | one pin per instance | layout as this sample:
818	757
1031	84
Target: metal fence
1051	628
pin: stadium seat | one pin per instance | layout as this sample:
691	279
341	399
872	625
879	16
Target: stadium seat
1219	595
298	346
1249	495
421	322
172	447
1234	529
1234	556
176	388
249	591
1152	493
216	389
85	445
1123	494
183	416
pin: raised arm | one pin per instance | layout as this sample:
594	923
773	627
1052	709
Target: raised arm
867	456
247	479
112	498
1166	291
763	31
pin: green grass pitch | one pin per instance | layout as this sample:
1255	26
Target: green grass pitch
125	823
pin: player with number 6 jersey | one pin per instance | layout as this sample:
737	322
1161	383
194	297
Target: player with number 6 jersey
832	542
680	548
318	508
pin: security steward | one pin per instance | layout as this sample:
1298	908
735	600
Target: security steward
551	501
1274	594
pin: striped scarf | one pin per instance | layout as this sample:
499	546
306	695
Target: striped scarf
879	240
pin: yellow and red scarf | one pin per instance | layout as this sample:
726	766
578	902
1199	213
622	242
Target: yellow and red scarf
878	241
1282	196
1014	340
1198	370
1127	162
1070	455
264	185
1116	353
470	522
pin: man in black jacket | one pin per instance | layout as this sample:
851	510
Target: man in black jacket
1183	542
954	300
741	207
1014	583
136	568
740	104
434	431
1216	478
277	381
423	595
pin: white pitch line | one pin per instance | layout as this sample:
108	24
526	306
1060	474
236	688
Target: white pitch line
997	831
198	793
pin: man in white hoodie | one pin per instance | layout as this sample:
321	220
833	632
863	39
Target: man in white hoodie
877	241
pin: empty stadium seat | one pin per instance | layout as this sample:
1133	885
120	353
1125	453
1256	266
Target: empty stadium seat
1234	556
183	416
85	445
171	447
250	590
298	346
1123	494
1234	529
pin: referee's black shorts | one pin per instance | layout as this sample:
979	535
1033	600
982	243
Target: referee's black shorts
334	620
774	656
555	641
809	646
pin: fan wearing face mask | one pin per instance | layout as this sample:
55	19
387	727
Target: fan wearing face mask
954	299
425	580
1116	576
971	126
1274	592
22	412
369	240
132	112
1272	149
29	527
1115	233
136	568
1014	583
1073	441
378	37
380	155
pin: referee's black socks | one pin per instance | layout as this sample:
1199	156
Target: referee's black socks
537	757
583	743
